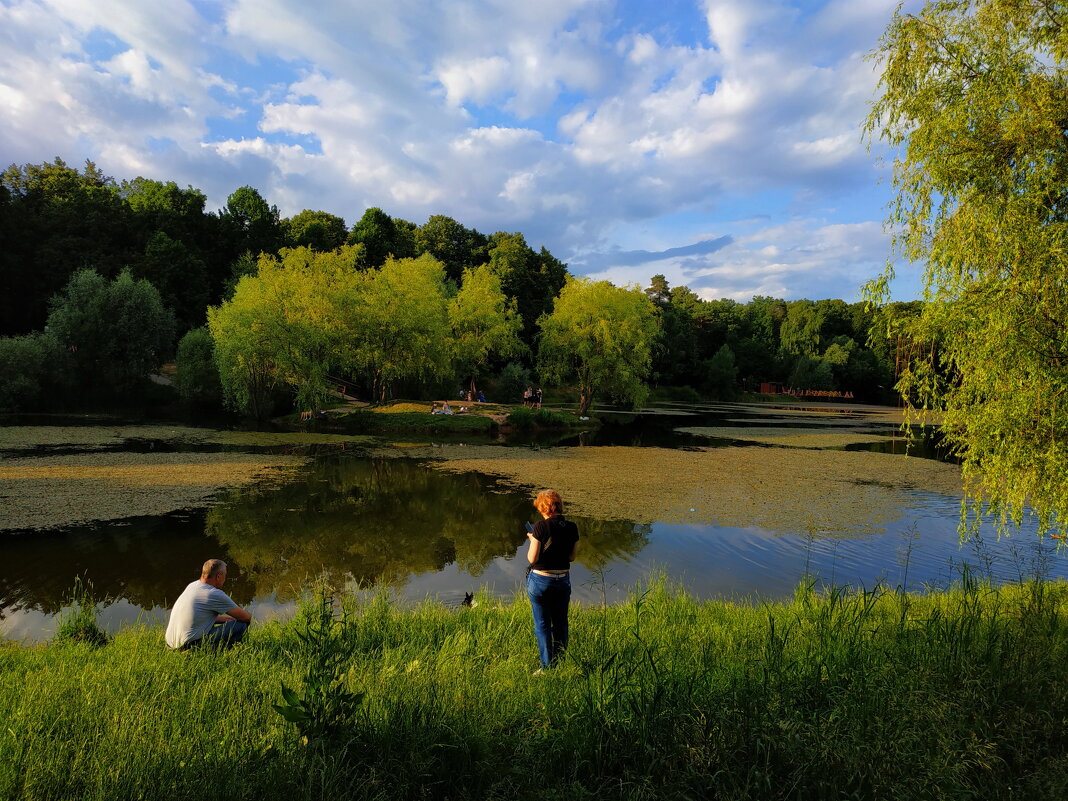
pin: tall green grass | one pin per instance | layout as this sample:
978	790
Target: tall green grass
882	695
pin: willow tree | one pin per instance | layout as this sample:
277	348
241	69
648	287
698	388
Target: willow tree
974	101
484	322
601	336
288	323
402	322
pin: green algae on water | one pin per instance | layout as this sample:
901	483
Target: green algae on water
794	490
51	492
791	437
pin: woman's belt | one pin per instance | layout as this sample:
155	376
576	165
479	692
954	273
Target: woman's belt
550	573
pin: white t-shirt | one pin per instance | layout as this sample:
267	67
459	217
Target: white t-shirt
194	612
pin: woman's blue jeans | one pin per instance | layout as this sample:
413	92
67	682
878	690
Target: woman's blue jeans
549	597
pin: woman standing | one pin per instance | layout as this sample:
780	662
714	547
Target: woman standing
552	548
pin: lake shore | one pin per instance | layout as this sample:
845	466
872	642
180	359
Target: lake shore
56	476
873	695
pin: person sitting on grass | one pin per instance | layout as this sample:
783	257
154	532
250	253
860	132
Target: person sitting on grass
205	615
481	396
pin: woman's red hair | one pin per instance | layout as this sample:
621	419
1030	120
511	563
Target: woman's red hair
549	503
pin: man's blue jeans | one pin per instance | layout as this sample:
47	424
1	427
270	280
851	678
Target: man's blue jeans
549	598
221	636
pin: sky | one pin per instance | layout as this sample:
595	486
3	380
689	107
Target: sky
716	142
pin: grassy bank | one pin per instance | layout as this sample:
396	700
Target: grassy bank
415	416
873	695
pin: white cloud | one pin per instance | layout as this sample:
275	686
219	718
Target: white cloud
802	258
558	118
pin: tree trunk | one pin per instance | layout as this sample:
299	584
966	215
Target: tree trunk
585	399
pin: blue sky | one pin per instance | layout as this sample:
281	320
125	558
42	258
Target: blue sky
715	141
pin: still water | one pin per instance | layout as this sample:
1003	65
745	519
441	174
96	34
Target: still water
426	533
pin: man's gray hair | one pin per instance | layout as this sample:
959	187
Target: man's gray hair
212	568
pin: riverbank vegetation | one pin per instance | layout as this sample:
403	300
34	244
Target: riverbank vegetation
873	694
108	279
979	172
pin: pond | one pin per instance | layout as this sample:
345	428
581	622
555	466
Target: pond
730	501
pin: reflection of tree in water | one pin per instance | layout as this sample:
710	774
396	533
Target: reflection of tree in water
381	521
604	541
145	560
378	521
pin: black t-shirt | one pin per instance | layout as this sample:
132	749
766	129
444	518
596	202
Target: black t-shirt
557	537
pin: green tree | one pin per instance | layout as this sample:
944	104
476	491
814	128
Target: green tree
159	206
253	224
57	220
455	246
602	336
674	352
533	279
721	375
116	332
288	323
382	237
513	379
483	323
318	230
164	207
974	102
243	350
26	366
196	375
800	330
811	373
658	290
402	322
179	275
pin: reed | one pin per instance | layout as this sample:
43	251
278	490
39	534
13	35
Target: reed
834	694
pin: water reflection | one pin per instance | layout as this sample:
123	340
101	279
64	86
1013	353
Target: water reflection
423	531
143	560
368	521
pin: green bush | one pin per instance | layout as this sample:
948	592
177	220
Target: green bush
525	417
78	623
197	377
116	332
27	367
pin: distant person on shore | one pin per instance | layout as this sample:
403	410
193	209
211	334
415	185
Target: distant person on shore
537	397
528	396
205	615
553	543
481	396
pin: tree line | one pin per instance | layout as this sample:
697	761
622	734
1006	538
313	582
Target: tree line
107	279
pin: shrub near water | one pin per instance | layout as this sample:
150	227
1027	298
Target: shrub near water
868	695
524	417
78	622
